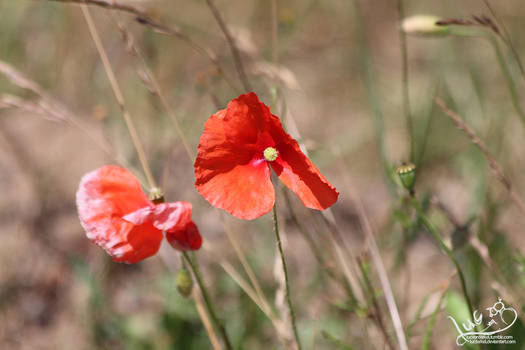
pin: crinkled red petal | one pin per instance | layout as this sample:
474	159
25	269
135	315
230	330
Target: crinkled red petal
186	237
141	242
175	219
164	216
245	191
298	173
106	195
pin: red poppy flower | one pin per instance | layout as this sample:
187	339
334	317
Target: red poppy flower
118	217
236	150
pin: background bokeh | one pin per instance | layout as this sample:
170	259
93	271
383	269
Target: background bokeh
339	86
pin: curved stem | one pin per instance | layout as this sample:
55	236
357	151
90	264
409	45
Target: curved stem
207	300
285	271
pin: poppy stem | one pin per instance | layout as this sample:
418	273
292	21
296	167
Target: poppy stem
207	300
285	271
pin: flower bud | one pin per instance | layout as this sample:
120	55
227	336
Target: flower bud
156	195
184	282
407	175
424	25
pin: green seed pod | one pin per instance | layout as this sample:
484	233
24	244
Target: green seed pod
407	175
424	25
184	282
156	195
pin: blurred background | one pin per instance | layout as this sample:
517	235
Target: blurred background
333	71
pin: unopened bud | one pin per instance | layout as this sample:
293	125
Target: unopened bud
156	195
424	25
184	282
407	175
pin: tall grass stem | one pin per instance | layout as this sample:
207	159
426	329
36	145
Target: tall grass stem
405	86
286	281
118	95
209	303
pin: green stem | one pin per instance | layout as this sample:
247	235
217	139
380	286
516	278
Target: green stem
432	322
406	96
372	95
507	74
285	271
209	304
508	78
317	251
432	230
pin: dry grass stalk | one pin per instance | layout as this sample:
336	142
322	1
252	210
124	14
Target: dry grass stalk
496	168
377	315
118	95
205	320
110	4
231	43
39	107
143	18
152	84
366	226
482	21
506	37
55	110
50	108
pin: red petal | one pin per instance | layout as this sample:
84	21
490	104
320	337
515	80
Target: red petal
104	196
229	170
245	191
298	173
141	242
164	216
186	237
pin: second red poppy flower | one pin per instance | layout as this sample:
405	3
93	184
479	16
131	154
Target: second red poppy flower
237	148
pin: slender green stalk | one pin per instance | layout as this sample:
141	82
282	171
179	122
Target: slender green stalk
317	251
372	95
239	66
507	74
432	230
432	322
506	37
406	96
286	282
508	78
378	313
209	304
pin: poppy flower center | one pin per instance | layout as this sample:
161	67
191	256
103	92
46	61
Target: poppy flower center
270	154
